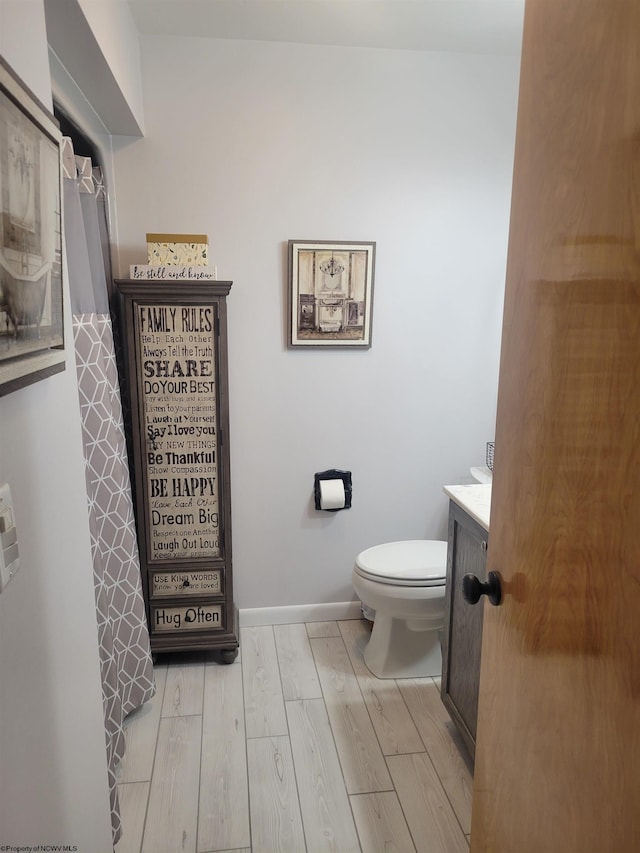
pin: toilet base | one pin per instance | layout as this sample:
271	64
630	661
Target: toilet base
396	651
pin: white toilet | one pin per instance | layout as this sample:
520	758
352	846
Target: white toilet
404	582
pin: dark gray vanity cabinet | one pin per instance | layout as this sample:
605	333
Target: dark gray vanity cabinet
462	639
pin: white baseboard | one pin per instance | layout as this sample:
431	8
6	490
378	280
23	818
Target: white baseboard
253	616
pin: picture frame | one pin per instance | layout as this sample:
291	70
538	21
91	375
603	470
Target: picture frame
31	239
330	293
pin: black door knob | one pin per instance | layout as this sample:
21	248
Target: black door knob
473	588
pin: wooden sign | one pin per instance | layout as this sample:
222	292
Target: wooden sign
199	617
205	582
178	392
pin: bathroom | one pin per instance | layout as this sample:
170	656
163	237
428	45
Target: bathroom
256	143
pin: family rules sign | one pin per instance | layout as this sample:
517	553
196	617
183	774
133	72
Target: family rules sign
177	351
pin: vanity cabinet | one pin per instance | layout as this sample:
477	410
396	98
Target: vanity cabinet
462	639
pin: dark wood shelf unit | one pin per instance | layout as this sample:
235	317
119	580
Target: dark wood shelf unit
174	362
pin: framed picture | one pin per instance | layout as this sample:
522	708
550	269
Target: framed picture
31	318
330	293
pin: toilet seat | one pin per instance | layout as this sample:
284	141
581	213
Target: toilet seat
412	562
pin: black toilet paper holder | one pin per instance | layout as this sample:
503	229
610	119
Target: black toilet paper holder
333	474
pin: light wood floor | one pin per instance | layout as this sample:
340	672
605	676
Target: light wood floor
294	747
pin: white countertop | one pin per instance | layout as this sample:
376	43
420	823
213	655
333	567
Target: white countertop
474	499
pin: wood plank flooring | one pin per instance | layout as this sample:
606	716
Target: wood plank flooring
294	748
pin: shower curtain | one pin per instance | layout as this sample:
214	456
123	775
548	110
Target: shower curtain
125	658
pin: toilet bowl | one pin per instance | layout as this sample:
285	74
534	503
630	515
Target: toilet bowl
404	582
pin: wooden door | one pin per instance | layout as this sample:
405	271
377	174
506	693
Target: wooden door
558	748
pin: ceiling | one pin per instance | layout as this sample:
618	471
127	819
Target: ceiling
465	26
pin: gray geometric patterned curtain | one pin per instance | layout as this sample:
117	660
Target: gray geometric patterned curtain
123	638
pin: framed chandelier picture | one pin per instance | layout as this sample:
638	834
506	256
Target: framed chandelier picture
330	293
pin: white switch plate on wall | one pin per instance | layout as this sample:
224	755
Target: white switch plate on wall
9	558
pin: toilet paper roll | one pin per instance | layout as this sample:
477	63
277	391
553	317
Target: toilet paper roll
332	494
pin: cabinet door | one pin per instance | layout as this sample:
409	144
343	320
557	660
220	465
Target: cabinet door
462	642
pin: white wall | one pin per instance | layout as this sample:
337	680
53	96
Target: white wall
53	770
258	143
97	42
115	32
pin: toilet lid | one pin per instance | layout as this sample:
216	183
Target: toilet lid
413	562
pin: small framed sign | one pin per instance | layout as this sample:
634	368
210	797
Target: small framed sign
188	617
330	293
204	582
